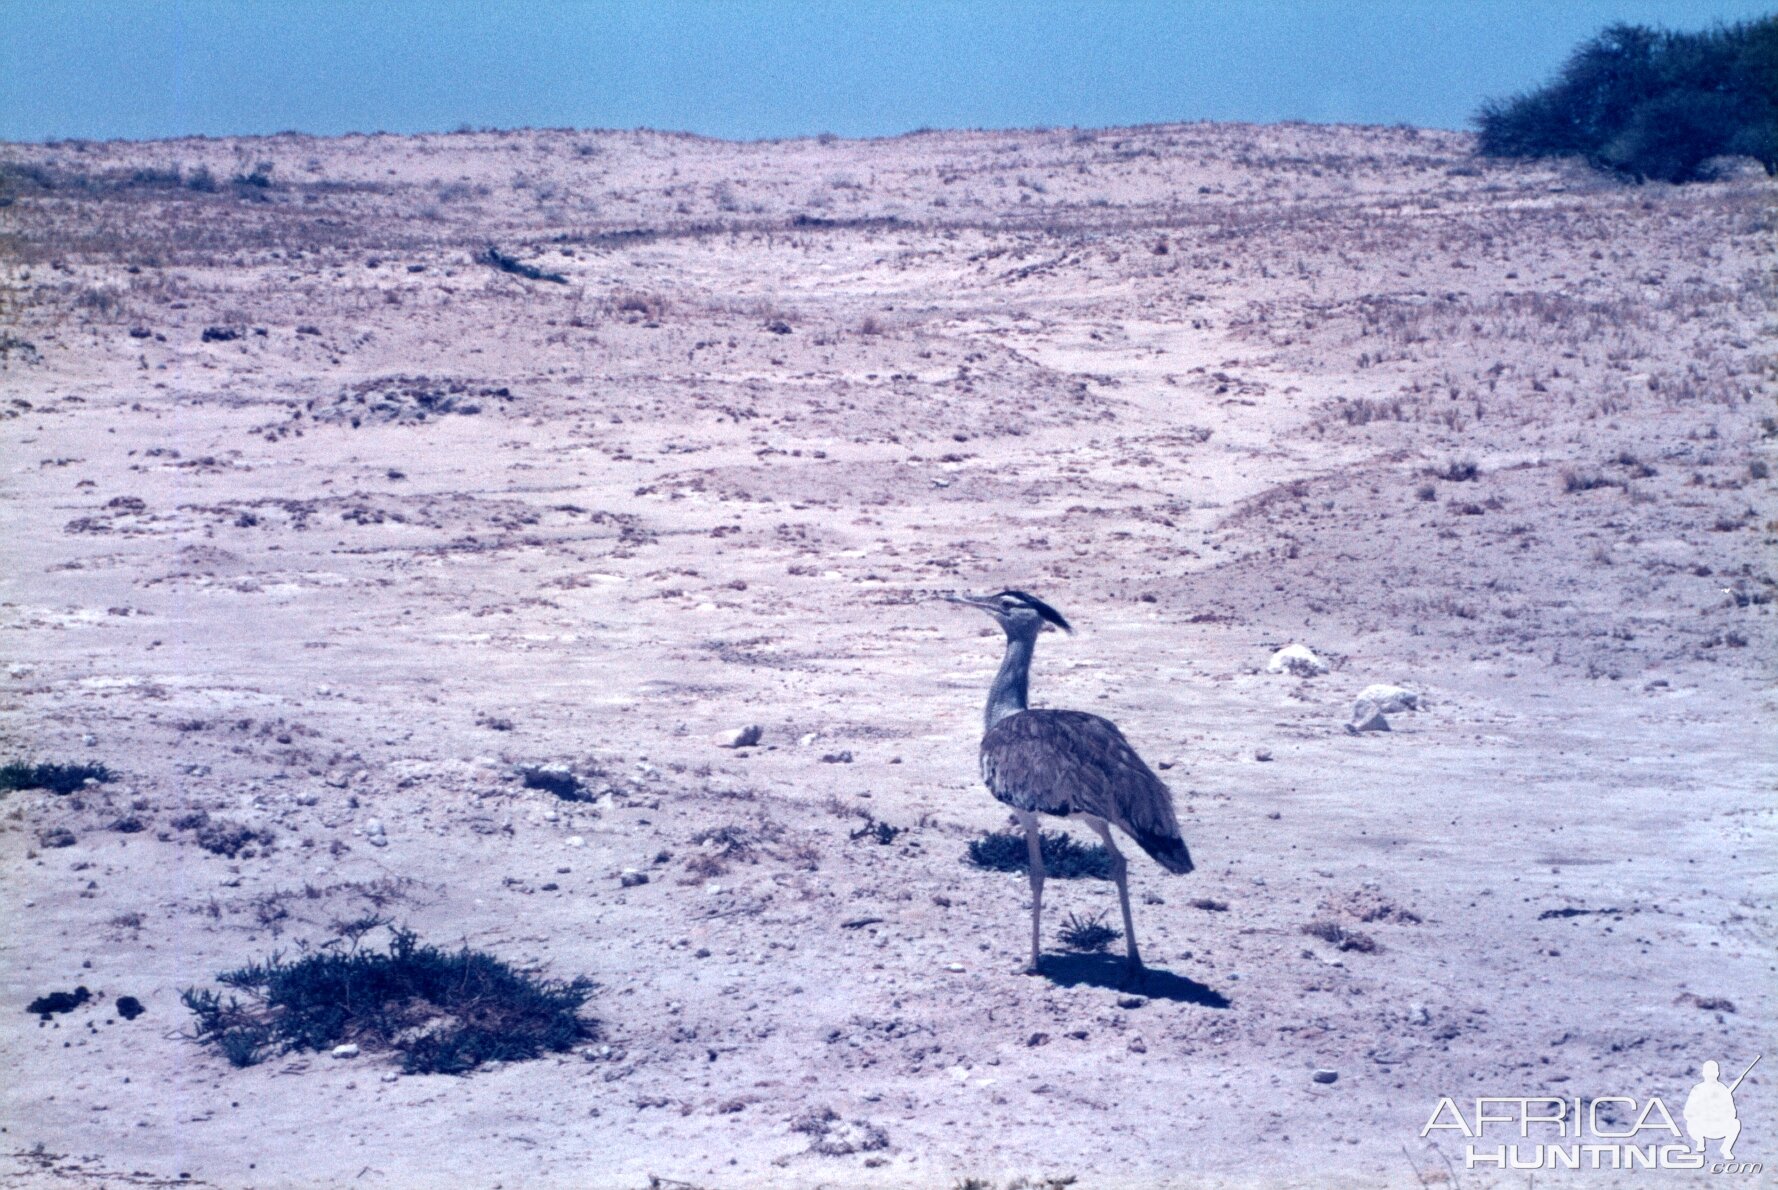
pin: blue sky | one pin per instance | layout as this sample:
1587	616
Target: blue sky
768	68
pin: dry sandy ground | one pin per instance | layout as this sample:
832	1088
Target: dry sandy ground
1500	434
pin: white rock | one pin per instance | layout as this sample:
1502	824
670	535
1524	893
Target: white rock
345	1051
740	737
373	827
1390	699
574	841
1367	716
1298	660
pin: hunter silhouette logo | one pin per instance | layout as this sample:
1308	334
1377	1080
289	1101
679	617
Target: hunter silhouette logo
1604	1132
1710	1110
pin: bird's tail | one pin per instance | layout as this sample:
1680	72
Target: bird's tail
1169	851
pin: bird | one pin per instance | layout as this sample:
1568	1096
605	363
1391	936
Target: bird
1069	764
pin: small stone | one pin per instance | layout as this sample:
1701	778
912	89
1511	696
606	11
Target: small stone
337	780
1262	754
345	1051
740	737
630	878
1326	1076
1137	1045
1131	1001
574	841
954	967
1037	1039
1417	1014
807	738
837	758
1296	659
374	826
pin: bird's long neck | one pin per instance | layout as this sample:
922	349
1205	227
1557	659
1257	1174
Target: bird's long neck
1007	696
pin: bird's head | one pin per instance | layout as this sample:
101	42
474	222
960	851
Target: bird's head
1019	614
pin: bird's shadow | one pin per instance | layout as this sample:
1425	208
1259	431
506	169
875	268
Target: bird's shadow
1108	971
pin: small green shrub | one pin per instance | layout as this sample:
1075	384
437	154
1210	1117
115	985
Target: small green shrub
1341	937
57	778
444	1013
558	781
511	264
876	832
1088	935
1063	856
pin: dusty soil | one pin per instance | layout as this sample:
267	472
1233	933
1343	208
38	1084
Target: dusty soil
314	517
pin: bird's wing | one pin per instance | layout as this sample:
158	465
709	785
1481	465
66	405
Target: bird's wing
1070	762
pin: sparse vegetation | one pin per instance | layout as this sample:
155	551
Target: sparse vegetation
1089	935
876	832
556	780
444	1013
1341	937
636	305
222	836
1647	103
57	778
1586	481
517	267
1063	856
831	1136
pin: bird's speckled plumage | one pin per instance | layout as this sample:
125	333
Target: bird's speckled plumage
1070	762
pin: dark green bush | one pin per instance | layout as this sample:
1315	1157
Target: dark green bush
57	778
444	1013
1648	103
1063	857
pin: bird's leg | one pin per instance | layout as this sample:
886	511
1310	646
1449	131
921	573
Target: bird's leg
1120	872
1034	852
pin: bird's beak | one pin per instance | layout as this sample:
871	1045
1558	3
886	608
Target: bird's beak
979	602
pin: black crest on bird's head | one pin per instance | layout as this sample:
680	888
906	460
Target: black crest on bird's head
1040	607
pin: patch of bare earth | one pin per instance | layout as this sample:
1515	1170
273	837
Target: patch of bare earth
324	531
